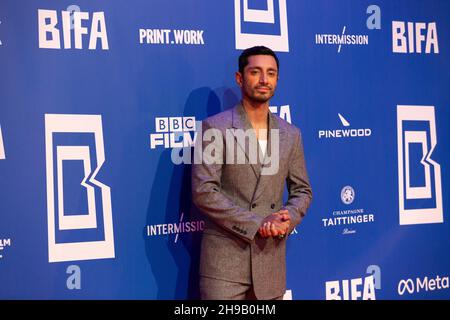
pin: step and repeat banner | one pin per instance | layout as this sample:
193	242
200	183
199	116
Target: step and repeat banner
97	96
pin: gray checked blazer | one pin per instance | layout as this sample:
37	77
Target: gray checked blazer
235	198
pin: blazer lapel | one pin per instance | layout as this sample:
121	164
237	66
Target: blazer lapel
264	180
240	121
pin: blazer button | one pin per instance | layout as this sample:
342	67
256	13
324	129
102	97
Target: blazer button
272	205
253	205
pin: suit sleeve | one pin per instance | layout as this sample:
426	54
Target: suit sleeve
299	189
207	195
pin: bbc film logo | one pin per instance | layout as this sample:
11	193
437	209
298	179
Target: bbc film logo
4	243
173	132
248	19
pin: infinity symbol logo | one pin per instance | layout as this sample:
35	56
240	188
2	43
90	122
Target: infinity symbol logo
405	285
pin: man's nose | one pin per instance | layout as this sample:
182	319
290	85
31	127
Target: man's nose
263	78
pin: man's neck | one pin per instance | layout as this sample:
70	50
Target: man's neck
257	112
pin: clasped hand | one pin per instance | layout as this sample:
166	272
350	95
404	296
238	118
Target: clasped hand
276	224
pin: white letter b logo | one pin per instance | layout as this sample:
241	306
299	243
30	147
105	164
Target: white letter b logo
419	177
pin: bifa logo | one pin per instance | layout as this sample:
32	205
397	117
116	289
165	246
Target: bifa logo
73	23
344	133
173	132
2	148
419	177
408	37
3	244
79	213
355	289
284	112
264	23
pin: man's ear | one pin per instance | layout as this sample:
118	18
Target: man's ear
239	78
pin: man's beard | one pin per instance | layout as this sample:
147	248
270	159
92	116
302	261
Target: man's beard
254	95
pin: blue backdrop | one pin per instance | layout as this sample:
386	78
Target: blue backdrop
92	96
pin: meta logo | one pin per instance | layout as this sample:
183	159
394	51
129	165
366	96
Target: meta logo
419	177
344	133
408	37
355	289
74	23
428	284
3	244
261	23
79	212
2	148
173	132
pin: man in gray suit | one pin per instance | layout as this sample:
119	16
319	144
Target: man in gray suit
243	251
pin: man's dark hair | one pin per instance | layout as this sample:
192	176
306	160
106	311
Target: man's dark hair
253	51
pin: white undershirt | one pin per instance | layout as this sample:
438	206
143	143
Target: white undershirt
263	146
